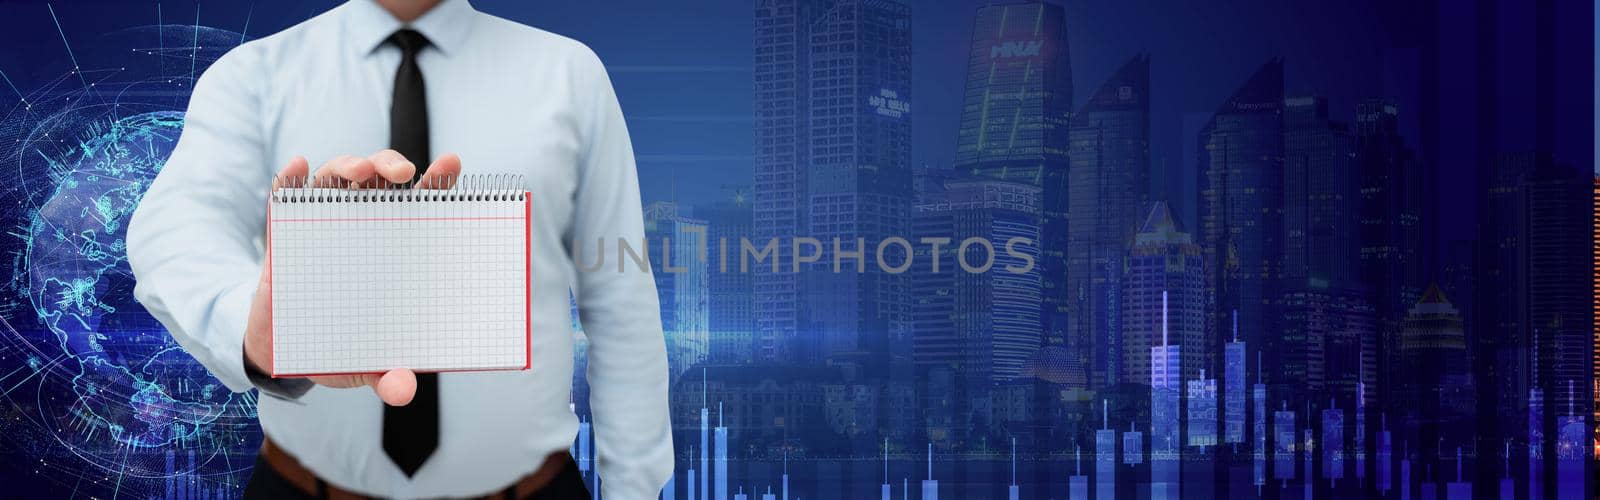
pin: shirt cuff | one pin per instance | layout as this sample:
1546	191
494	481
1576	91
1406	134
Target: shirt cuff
288	389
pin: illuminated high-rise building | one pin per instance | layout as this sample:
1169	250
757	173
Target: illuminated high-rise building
1437	383
971	331
833	149
1594	228
858	182
1108	183
985	324
1163	262
1014	126
1559	304
1389	208
1320	193
779	198
1502	350
1435	348
1241	210
1536	214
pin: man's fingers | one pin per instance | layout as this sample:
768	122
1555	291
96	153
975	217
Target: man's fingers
344	170
292	175
442	173
396	387
392	166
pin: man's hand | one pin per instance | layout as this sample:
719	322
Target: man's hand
398	385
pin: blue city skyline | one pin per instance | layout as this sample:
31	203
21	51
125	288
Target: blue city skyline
1371	216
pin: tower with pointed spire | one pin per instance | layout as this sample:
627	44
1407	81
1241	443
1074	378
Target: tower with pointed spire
1437	375
1163	264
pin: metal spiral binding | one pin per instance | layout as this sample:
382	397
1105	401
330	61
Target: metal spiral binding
478	187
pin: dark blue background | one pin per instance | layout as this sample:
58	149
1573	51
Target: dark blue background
683	71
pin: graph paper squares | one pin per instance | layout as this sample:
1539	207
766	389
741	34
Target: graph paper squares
364	287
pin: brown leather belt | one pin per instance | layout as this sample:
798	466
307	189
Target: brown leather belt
290	469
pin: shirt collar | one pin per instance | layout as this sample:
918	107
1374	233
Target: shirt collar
368	25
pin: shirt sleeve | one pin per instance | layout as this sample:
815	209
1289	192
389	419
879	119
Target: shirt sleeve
619	310
194	242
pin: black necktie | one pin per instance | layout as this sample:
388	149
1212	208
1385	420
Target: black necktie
411	432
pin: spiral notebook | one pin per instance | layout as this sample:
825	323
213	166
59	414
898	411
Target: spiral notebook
367	280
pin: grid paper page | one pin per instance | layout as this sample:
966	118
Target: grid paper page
368	286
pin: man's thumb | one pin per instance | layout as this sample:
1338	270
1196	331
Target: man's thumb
396	387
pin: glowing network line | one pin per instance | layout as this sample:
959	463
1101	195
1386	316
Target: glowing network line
95	398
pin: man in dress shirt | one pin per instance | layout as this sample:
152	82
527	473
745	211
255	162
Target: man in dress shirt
405	78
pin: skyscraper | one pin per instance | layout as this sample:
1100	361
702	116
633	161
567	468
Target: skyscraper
1241	210
1320	193
832	131
675	242
782	50
1437	385
1558	295
732	302
1163	262
1539	330
1502	348
1108	191
979	327
858	179
1328	343
1014	126
1389	209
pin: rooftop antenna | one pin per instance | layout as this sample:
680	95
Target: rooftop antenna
1105	419
930	461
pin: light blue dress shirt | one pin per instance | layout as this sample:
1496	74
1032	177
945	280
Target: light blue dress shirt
508	99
